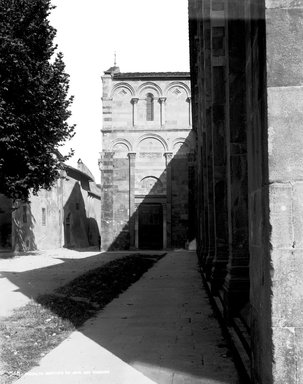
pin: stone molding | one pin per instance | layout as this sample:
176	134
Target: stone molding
122	85
152	85
179	84
152	136
121	141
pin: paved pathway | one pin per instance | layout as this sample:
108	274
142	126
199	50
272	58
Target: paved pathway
160	331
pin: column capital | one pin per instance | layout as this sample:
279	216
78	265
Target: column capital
162	109
168	155
131	155
188	99
134	101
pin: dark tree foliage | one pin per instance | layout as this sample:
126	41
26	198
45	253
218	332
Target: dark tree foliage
34	102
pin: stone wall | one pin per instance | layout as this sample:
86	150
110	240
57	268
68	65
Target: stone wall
35	225
283	148
246	66
67	215
220	125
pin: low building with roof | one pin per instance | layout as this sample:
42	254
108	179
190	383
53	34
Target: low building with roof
67	215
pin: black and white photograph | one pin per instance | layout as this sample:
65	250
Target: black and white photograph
151	192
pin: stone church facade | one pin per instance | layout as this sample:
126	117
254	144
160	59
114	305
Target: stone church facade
147	161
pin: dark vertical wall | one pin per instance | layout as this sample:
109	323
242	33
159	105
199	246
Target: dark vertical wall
260	268
236	287
263	85
220	122
5	223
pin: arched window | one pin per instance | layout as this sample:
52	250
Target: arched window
149	107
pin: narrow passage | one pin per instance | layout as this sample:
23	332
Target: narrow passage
161	330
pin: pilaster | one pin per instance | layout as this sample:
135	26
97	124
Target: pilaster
189	111
208	138
162	101
168	159
134	102
219	48
132	165
236	285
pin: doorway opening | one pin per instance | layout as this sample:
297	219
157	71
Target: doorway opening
150	226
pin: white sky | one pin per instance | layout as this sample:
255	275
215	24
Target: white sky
148	36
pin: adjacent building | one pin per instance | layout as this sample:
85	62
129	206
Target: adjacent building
67	215
147	161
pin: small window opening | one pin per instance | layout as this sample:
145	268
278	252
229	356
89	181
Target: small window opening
43	216
149	107
77	206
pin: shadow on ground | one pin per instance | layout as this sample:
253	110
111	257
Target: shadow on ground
150	344
156	340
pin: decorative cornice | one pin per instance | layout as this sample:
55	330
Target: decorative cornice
151	75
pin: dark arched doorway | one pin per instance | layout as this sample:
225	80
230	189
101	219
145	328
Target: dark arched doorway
151	226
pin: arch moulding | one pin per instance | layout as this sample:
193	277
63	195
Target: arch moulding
121	141
179	84
118	86
183	140
152	85
151	136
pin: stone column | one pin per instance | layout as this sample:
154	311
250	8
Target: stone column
209	143
219	120
189	110
134	101
236	285
196	69
162	101
136	226
168	159
132	165
192	200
